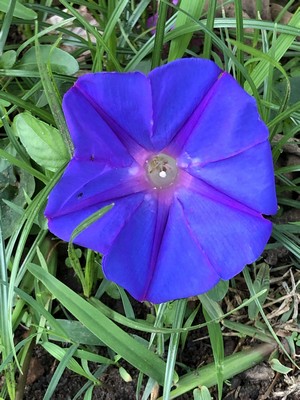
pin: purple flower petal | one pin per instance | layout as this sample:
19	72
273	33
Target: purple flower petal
93	138
130	262
182	266
151	23
226	122
230	235
100	235
122	101
177	90
247	177
86	187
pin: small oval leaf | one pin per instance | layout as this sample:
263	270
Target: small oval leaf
8	59
202	393
42	142
61	62
125	375
278	367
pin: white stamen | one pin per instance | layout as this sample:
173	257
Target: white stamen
161	170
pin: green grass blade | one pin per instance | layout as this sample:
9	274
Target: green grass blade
270	328
52	96
65	360
173	347
278	49
210	27
71	251
159	35
179	45
108	332
93	31
6	23
23	165
239	36
12	137
287	241
233	365
217	344
27	105
5	333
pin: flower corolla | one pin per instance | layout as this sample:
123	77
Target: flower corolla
184	156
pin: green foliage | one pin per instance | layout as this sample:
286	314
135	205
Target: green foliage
278	367
188	8
19	11
43	142
216	340
261	283
60	61
109	333
202	394
218	292
16	186
8	59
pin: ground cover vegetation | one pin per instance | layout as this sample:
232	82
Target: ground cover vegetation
65	330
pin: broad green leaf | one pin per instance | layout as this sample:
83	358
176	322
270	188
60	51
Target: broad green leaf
8	59
202	394
102	327
61	62
295	84
4	103
42	142
20	11
78	333
218	292
14	183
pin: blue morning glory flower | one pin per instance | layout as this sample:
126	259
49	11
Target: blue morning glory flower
185	158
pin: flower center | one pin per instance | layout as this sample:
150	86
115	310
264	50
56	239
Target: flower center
161	170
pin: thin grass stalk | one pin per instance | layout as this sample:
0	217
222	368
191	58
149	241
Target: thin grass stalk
6	24
173	347
5	333
12	137
52	96
271	330
210	26
93	31
160	34
27	349
217	344
59	371
240	37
